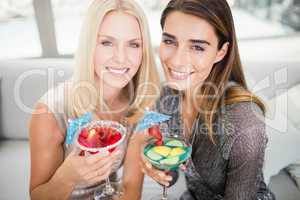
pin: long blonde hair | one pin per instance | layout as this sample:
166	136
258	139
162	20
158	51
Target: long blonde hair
84	94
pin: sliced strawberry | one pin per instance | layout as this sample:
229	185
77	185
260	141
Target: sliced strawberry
83	142
92	134
154	131
84	133
97	143
102	132
159	143
109	136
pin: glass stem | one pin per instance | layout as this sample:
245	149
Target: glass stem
108	187
165	195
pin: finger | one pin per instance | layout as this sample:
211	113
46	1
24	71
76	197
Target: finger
116	154
183	167
101	175
95	158
146	163
160	179
157	175
101	163
100	171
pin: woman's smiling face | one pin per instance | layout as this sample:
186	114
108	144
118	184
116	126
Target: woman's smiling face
188	50
119	49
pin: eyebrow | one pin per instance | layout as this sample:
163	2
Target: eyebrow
112	38
195	41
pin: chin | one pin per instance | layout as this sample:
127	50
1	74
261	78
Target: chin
117	84
176	85
180	85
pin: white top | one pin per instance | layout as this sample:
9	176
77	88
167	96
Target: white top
57	104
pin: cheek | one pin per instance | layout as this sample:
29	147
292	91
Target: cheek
165	53
102	56
135	57
203	67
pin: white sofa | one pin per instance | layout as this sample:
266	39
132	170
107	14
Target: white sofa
22	82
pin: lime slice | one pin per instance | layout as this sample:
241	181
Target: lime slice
170	161
162	150
176	151
174	143
153	156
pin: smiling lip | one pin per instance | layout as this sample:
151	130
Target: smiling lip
118	71
179	75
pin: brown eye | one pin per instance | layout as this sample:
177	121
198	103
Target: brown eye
197	48
168	42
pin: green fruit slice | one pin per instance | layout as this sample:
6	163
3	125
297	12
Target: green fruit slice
174	143
153	156
170	161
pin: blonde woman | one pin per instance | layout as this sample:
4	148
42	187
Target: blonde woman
113	76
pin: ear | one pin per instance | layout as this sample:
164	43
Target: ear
222	52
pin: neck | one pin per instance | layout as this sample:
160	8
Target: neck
110	94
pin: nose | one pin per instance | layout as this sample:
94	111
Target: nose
120	54
180	58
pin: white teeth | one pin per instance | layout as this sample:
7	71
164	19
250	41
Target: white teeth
179	73
117	71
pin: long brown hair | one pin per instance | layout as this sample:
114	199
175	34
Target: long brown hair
218	14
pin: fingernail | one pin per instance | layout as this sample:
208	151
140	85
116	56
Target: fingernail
148	165
166	184
143	171
169	178
161	174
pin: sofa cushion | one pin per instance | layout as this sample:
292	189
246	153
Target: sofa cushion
23	82
271	78
294	171
283	187
14	169
284	136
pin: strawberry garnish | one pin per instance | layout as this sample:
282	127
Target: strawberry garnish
84	133
154	131
99	137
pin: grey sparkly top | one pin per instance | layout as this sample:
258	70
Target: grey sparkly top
231	169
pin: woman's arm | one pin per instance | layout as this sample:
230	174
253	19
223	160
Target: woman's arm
246	158
46	140
52	177
133	177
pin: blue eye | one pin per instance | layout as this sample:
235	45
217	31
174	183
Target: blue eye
135	45
106	43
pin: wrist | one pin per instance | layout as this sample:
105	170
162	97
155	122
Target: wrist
63	178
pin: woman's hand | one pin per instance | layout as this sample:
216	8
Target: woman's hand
87	170
158	175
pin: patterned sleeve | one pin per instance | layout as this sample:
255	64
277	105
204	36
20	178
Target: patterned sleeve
247	153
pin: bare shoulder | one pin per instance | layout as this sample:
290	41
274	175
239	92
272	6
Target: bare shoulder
43	125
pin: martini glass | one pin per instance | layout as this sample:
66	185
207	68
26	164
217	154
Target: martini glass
102	137
167	156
